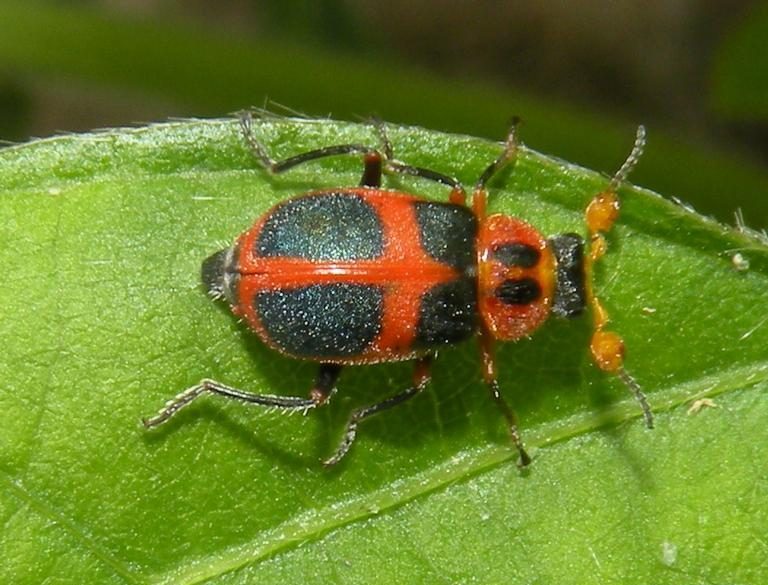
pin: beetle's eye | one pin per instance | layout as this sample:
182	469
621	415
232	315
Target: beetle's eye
519	291
520	255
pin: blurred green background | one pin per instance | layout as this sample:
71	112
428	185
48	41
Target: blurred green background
581	74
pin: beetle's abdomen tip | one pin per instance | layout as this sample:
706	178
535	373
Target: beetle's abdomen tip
213	273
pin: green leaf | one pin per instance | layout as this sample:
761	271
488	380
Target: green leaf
104	320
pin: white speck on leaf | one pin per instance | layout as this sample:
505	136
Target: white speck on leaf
697	405
740	263
668	553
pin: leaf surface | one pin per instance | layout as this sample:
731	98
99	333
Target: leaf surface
104	320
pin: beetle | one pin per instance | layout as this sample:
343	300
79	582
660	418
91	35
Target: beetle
360	275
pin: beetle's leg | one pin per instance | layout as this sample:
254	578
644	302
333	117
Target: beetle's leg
372	170
489	375
321	390
279	166
607	346
421	378
508	156
458	194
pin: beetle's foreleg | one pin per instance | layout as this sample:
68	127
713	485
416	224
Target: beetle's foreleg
421	378
321	391
507	157
489	375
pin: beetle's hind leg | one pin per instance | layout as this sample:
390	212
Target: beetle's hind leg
391	164
421	379
325	382
371	177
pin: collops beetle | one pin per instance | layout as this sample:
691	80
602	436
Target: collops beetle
359	275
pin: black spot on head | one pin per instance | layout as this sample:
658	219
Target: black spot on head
516	254
521	291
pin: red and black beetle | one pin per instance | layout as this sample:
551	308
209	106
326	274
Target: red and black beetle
364	274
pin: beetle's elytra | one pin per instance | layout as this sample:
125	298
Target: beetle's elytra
359	275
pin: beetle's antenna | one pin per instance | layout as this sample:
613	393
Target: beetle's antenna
634	387
632	160
607	347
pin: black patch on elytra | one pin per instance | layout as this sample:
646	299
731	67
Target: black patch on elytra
516	254
447	232
447	314
519	291
570	290
328	226
322	320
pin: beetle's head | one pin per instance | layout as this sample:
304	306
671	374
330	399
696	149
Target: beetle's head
524	277
219	274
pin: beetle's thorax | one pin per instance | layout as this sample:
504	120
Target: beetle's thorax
523	277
